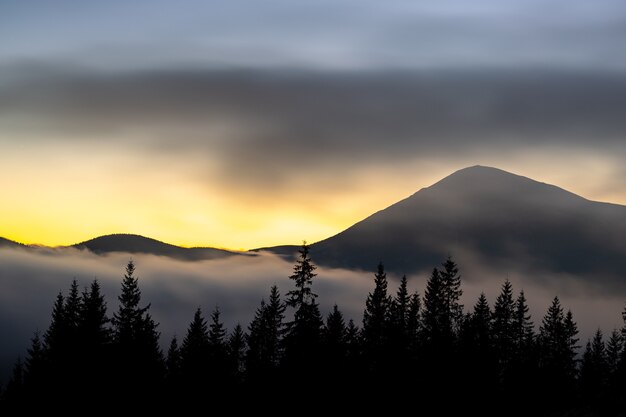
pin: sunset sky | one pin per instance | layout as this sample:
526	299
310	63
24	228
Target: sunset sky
242	124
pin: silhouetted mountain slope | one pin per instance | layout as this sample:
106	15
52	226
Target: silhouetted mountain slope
140	244
494	216
7	242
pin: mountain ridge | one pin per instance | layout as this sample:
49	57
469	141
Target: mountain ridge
485	214
133	243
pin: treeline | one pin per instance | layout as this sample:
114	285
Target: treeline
410	347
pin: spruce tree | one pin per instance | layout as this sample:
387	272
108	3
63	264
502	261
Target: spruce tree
94	344
523	328
35	368
522	372
218	353
557	338
194	354
414	324
614	349
173	364
303	333
399	338
93	320
334	340
478	356
503	328
54	338
236	354
139	360
376	322
594	371
451	283
433	321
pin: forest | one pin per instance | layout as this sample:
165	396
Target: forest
425	351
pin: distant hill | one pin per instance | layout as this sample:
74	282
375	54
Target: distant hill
490	216
139	244
10	243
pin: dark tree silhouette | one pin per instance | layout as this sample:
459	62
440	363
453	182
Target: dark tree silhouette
614	348
594	370
334	337
14	393
173	367
139	361
218	351
377	323
265	339
451	284
236	355
557	353
35	368
303	334
399	316
503	330
194	355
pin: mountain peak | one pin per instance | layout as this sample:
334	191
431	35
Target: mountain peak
482	212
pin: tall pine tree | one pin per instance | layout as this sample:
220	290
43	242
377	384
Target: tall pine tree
139	360
303	334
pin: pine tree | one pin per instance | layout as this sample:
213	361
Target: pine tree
303	333
54	338
477	355
481	324
334	339
523	333
273	317
94	344
14	393
353	341
35	367
218	354
93	320
236	354
594	369
194	354
72	308
414	323
614	349
451	284
503	328
376	321
303	274
399	337
557	337
173	363
399	309
136	340
522	372
433	321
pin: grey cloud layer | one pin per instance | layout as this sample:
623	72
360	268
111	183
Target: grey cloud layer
261	126
319	34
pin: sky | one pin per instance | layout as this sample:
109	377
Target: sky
243	124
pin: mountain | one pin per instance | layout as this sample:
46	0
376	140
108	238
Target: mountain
490	216
9	243
140	244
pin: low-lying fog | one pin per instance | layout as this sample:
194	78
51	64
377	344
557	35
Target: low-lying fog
31	278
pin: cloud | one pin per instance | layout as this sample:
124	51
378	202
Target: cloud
251	129
319	34
30	280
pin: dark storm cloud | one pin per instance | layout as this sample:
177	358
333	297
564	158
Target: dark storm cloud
259	127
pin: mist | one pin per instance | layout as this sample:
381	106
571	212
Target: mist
30	279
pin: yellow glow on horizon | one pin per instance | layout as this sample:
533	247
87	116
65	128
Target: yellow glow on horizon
61	196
